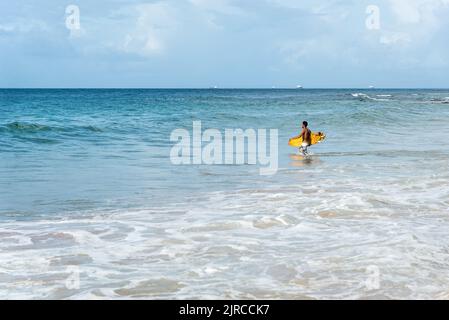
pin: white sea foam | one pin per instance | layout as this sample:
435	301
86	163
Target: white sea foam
279	242
364	97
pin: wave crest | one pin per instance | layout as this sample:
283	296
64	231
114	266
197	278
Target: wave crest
365	97
26	127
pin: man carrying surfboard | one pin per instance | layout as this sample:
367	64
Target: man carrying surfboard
306	134
306	139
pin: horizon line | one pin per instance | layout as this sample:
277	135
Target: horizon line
223	88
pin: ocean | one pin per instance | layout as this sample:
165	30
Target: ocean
91	205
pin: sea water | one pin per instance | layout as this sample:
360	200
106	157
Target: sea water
91	205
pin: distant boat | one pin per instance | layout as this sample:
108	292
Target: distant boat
371	87
299	87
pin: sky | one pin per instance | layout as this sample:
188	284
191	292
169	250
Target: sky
224	43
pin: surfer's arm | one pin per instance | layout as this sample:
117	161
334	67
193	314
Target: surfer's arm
301	135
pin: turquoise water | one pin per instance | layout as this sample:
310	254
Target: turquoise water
86	181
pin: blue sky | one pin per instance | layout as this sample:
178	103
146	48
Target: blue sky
225	43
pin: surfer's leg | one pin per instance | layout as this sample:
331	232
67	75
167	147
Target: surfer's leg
303	149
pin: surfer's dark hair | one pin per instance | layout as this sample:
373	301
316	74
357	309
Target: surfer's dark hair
305	123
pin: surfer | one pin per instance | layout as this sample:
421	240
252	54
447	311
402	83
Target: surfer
306	139
306	134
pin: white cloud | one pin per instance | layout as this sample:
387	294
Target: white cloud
211	12
218	6
413	24
144	30
329	10
293	4
299	53
294	51
151	29
395	38
6	28
22	25
406	11
146	37
158	25
417	11
415	20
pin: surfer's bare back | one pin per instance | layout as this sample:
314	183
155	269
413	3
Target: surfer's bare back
306	135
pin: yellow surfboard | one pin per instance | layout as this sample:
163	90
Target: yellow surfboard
316	138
